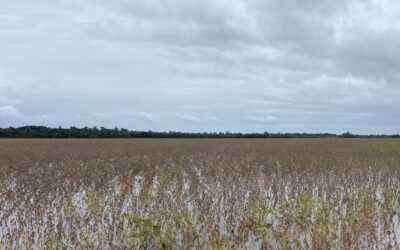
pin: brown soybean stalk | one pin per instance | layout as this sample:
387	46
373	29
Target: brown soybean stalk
200	194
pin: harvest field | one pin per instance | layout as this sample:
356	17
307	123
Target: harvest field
200	193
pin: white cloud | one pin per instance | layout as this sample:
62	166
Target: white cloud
189	118
6	101
103	116
142	116
211	118
15	117
261	119
10	112
44	117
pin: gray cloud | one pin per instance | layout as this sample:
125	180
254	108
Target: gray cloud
220	65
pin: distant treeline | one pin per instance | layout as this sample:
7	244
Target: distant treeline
86	132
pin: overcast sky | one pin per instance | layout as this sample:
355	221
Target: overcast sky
217	65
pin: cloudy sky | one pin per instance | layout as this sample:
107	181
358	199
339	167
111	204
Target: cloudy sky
210	65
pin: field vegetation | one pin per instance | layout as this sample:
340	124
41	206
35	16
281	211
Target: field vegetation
200	194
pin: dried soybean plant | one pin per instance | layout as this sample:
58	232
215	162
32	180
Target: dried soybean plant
200	193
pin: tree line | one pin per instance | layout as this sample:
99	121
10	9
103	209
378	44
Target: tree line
95	132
